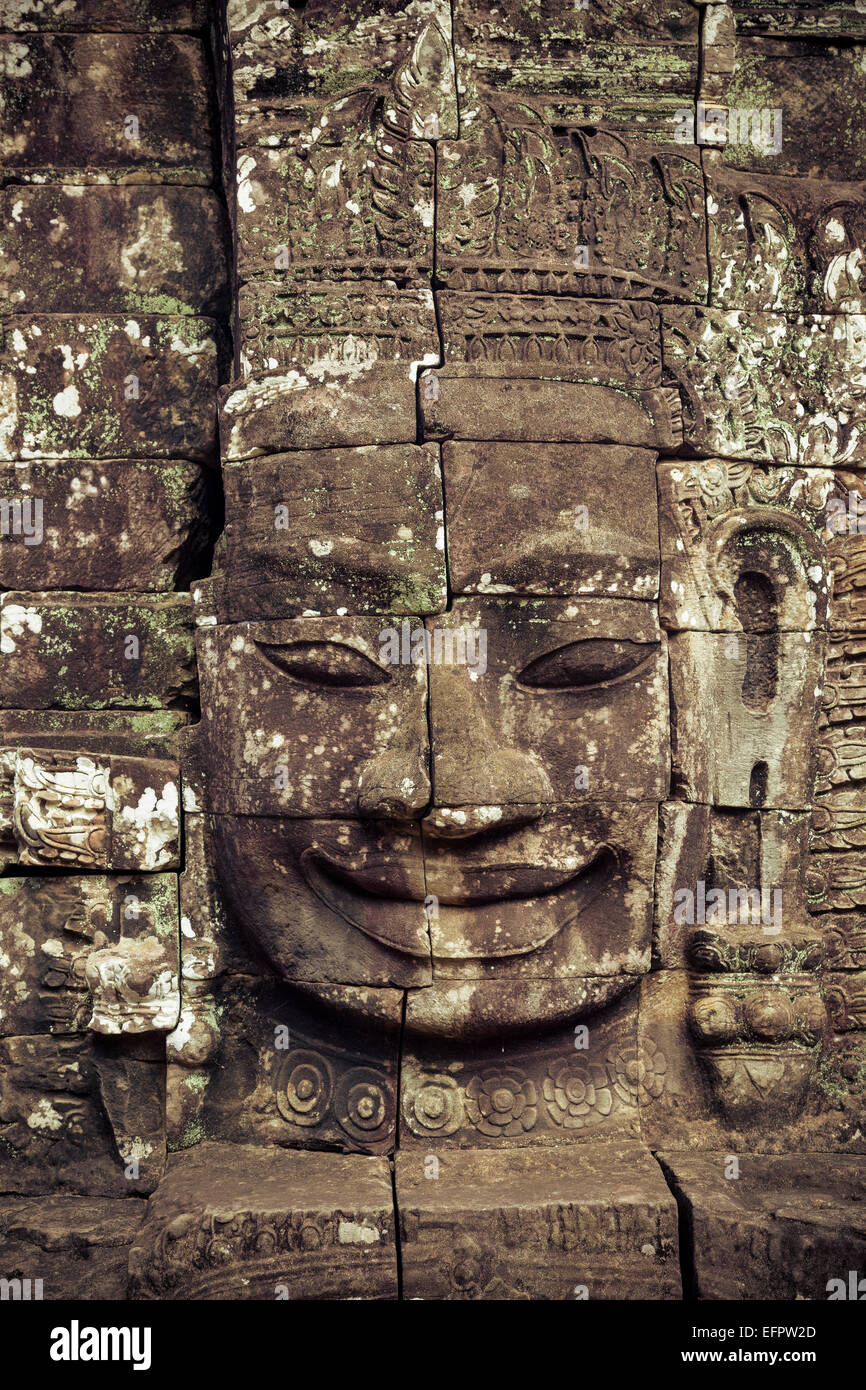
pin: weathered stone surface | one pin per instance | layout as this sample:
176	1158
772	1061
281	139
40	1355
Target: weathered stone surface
68	810
786	1227
104	15
816	138
343	197
94	388
275	702
529	1225
135	986
737	401
50	926
763	1073
629	70
743	548
135	250
731	891
780	19
742	716
402	59
846	1001
312	1079
208	948
552	892
74	1118
77	1246
529	698
368	403
783	243
142	734
563	519
327	531
766	387
526	205
846	549
319	331
600	342
845	939
340	902
324	1225
112	524
466	1087
522	402
79	651
68	100
132	1094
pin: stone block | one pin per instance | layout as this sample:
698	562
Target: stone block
555	519
105	108
555	700
553	892
339	902
67	810
742	716
519	402
120	250
91	387
540	1225
786	1228
372	404
335	531
107	524
317	331
276	698
78	1119
232	1221
468	1082
743	548
317	1073
529	204
49	926
789	244
77	1246
79	651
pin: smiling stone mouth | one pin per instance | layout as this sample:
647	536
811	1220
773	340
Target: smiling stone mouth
504	910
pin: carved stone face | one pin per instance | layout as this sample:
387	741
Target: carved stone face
617	507
436	801
471	795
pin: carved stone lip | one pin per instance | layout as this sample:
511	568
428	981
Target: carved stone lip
479	923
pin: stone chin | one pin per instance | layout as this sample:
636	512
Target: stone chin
507	936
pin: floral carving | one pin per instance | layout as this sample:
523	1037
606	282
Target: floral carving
501	1104
577	1093
363	1103
303	1088
435	1106
637	1074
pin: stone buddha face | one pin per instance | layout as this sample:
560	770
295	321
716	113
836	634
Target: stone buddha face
464	803
468	798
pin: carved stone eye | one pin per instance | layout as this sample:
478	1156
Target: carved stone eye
594	662
323	663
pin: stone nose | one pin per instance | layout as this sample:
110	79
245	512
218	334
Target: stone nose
475	769
395	785
465	822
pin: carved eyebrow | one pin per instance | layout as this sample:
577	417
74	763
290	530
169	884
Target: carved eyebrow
587	663
323	663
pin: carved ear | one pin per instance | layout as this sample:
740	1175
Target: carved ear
323	663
